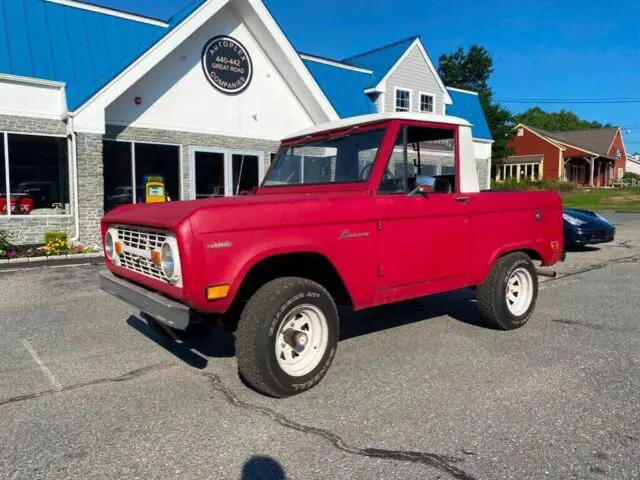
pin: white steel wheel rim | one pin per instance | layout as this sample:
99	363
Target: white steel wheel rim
519	292
302	340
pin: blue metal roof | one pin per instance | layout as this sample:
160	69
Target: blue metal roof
467	106
381	59
84	49
344	88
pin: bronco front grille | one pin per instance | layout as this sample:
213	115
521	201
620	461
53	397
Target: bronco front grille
138	243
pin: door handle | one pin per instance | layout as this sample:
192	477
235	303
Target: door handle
463	199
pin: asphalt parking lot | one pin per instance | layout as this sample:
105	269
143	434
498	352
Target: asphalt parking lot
418	390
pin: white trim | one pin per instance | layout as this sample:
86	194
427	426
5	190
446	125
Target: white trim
395	99
35	134
227	165
447	98
31	80
334	63
376	89
111	12
192	130
433	102
470	92
25	113
126	140
483	140
192	167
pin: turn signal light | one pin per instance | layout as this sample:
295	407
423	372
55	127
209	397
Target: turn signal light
156	257
119	248
218	292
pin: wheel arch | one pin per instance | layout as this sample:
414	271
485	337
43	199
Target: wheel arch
532	252
304	263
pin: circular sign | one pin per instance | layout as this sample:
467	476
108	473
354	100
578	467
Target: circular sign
227	64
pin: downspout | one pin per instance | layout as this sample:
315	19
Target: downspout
74	168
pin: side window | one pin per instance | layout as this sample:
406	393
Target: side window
430	152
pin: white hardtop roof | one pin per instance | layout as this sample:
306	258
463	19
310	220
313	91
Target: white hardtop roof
378	117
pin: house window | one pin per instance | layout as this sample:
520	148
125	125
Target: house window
427	103
35	175
403	100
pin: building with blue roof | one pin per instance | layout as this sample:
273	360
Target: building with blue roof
95	101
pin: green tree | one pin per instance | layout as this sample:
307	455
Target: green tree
561	121
471	70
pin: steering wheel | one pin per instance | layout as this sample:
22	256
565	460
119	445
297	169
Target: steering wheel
366	171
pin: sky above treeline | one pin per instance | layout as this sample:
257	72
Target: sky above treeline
570	50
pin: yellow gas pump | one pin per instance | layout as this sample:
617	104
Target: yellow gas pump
154	189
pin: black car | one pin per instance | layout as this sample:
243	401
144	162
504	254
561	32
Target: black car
584	227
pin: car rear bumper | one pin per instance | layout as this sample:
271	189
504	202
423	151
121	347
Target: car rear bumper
169	312
591	237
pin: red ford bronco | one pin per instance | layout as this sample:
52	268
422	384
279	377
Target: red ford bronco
361	212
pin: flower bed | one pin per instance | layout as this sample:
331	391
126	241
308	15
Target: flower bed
56	246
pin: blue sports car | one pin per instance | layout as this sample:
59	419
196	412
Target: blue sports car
584	227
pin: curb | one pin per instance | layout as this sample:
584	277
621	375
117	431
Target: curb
54	260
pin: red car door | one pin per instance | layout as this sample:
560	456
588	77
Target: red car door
424	239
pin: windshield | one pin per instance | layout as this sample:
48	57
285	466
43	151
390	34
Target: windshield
344	159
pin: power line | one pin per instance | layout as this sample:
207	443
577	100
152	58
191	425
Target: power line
570	100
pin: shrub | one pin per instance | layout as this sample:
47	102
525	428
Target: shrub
544	184
56	243
5	244
631	176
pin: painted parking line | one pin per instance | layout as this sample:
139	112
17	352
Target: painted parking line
47	373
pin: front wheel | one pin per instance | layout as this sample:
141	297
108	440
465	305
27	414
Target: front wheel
287	336
508	296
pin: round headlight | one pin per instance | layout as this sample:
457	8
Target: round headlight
168	262
108	245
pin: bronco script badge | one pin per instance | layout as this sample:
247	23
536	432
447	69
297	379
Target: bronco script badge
347	234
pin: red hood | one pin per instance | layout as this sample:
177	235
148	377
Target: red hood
231	213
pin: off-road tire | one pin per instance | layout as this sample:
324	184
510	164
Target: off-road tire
257	332
491	295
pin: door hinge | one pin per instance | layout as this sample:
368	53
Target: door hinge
379	225
380	271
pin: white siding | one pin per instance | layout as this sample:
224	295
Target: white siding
414	74
177	96
31	99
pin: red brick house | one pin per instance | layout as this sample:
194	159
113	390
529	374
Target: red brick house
594	157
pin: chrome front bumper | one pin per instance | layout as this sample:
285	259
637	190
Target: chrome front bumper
171	313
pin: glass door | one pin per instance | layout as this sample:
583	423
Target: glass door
224	173
209	169
246	168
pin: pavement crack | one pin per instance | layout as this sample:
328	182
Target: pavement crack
597	266
592	326
444	463
120	378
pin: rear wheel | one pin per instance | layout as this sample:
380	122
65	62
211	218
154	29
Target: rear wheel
508	297
287	336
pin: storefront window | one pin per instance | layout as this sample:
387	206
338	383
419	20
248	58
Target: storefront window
117	174
38	176
158	161
153	164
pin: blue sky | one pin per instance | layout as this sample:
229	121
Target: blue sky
541	48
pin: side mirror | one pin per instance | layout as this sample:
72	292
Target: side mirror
424	185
